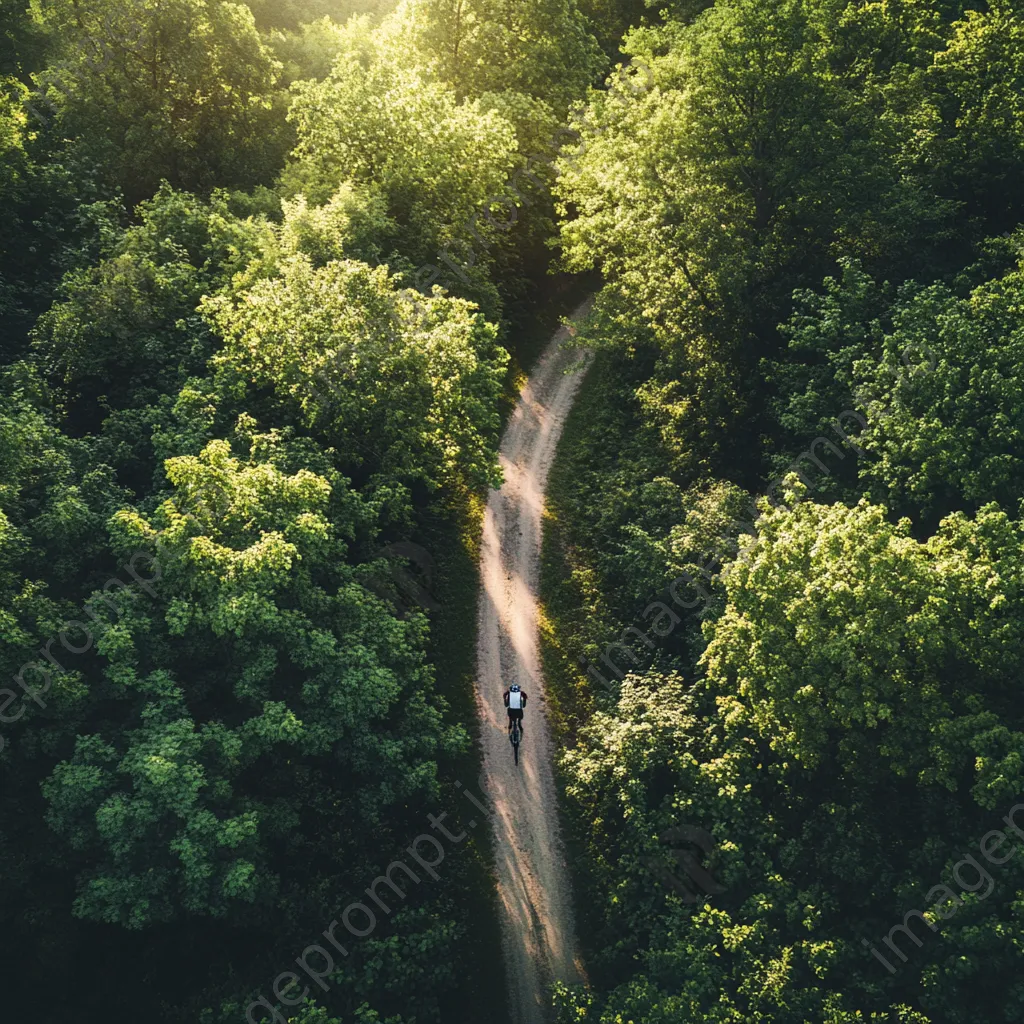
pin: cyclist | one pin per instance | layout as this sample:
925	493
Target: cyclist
515	701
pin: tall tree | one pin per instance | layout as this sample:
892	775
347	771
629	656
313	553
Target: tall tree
178	90
705	200
543	48
853	732
439	165
320	340
934	377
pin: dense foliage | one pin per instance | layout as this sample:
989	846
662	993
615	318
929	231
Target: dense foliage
228	396
782	569
265	272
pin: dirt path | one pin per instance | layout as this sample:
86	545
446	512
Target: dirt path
538	934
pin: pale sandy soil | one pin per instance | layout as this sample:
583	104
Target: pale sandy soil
538	932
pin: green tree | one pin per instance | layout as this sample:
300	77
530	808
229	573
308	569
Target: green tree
852	731
325	340
611	19
752	163
254	612
295	14
308	51
14	164
542	48
934	375
125	335
974	86
438	164
177	90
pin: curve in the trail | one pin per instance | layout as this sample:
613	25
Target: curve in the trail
538	933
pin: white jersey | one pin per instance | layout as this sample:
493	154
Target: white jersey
515	701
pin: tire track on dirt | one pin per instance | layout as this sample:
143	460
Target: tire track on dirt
535	899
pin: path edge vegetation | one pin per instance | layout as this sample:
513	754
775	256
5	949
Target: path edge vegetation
452	649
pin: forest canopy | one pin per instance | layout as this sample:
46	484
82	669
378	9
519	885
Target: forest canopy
271	276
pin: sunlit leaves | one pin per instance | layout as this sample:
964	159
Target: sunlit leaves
405	383
177	90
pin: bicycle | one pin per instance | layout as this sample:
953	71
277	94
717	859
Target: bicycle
515	736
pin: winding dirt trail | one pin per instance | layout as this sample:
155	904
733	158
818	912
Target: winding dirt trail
538	933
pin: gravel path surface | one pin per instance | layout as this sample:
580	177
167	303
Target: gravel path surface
538	934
